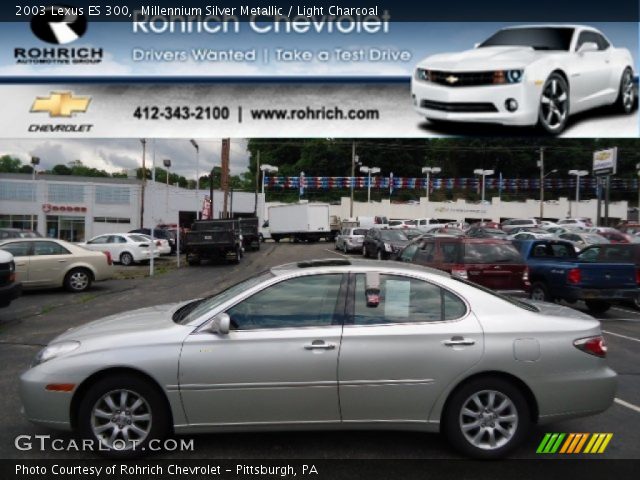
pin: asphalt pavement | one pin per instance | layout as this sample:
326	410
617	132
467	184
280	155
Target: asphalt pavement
37	317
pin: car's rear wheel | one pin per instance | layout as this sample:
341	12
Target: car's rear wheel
78	280
540	292
126	259
626	95
122	415
487	418
553	111
597	306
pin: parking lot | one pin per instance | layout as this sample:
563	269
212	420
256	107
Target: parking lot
35	318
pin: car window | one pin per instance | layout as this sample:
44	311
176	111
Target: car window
451	252
402	300
49	248
299	302
117	239
17	249
359	231
589	255
98	240
560	251
425	254
492	253
593	37
409	252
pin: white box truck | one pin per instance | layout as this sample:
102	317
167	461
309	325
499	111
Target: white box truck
300	222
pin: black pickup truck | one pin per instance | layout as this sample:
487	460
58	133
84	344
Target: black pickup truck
250	233
214	240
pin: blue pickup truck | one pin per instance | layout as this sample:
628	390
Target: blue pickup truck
556	273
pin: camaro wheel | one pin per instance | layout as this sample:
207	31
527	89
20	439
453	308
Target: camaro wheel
487	418
554	104
126	259
122	415
627	95
77	280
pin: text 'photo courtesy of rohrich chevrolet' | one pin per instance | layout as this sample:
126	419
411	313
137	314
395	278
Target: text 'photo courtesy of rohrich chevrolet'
331	241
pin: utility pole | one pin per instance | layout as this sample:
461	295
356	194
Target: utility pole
353	175
226	145
255	209
144	180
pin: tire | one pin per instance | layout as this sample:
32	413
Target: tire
78	280
597	306
153	407
507	417
540	292
554	108
126	259
626	100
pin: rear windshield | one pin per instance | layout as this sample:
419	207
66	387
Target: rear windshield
393	235
536	38
491	253
359	231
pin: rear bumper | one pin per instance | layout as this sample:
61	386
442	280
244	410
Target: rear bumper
9	293
574	293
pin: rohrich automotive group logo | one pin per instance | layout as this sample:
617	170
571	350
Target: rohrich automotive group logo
59	25
574	443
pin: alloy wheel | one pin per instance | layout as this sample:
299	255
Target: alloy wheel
554	104
488	419
121	419
79	280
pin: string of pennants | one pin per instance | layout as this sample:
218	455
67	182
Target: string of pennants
404	183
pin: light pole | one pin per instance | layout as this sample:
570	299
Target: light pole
195	145
542	177
167	165
35	161
578	174
429	171
143	141
369	171
483	173
265	168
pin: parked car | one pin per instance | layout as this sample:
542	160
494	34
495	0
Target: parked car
124	248
556	273
582	239
429	223
575	223
161	244
373	222
350	239
415	349
383	243
10	289
560	230
50	263
629	228
615	236
446	231
399	224
485	232
546	224
530	234
485	224
514	223
17	233
161	233
492	263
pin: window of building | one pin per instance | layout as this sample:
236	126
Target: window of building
65	192
111	220
17	191
23	222
70	229
108	195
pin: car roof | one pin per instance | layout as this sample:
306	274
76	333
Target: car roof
567	25
341	265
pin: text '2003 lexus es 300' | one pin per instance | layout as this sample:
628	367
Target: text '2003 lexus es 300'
326	344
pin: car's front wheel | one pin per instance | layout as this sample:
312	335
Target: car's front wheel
487	418
626	95
122	415
553	111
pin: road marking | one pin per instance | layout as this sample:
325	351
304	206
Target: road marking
634	312
633	339
631	406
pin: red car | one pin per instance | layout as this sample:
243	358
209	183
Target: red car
615	236
490	262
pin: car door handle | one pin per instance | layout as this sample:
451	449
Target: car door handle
62	261
457	341
319	345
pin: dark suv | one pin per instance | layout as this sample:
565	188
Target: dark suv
383	243
9	288
492	263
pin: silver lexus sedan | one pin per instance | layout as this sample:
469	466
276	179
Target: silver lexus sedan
326	344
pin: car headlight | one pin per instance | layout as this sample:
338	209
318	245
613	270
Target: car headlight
54	350
387	247
508	76
423	74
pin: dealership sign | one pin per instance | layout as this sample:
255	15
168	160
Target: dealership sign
605	162
47	207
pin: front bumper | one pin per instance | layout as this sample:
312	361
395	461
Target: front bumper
42	406
482	104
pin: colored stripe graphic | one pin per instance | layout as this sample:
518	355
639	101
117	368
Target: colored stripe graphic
573	443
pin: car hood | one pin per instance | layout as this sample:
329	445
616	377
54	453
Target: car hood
486	58
144	321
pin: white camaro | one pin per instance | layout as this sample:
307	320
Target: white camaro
526	75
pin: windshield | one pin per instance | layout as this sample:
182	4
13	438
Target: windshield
197	308
393	235
491	253
539	38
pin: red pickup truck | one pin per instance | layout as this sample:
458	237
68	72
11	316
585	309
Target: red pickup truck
490	262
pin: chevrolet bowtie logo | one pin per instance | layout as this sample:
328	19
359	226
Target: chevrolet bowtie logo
61	104
452	79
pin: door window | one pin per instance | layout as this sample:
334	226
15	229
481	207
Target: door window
49	248
117	239
424	256
300	302
17	249
99	240
404	300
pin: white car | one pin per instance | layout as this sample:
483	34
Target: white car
163	246
125	248
526	75
514	223
573	223
531	235
401	224
48	263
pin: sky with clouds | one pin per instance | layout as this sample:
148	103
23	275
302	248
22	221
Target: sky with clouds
114	155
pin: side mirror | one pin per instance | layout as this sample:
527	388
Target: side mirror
588	47
220	324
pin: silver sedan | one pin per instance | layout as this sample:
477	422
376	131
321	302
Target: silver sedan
322	345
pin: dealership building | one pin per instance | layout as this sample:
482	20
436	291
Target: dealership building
78	208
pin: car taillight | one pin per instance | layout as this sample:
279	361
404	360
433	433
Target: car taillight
109	259
460	272
525	275
574	276
592	345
